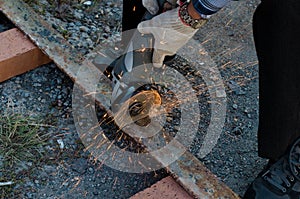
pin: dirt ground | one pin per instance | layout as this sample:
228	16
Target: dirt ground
70	172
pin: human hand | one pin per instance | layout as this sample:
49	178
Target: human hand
169	33
153	6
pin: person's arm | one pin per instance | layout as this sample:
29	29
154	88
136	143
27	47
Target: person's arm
206	7
173	28
192	11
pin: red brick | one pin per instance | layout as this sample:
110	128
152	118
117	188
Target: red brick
166	188
18	54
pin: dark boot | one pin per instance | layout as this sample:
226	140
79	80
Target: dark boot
281	180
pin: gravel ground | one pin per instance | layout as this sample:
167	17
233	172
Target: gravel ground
229	41
69	171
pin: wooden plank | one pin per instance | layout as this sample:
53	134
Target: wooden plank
18	54
166	188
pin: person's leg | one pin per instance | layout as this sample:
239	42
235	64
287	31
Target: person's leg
276	27
133	12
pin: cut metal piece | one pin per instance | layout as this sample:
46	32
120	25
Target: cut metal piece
140	106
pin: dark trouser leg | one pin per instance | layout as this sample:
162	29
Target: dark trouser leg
133	12
276	27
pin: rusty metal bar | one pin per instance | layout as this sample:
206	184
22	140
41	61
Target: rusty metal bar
187	170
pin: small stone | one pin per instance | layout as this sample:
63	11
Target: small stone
84	29
37	85
234	106
66	183
54	26
61	144
78	23
107	29
237	131
29	195
220	93
49	169
78	16
88	3
79	165
59	103
71	24
236	88
230	33
91	170
26	95
85	35
96	193
89	42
